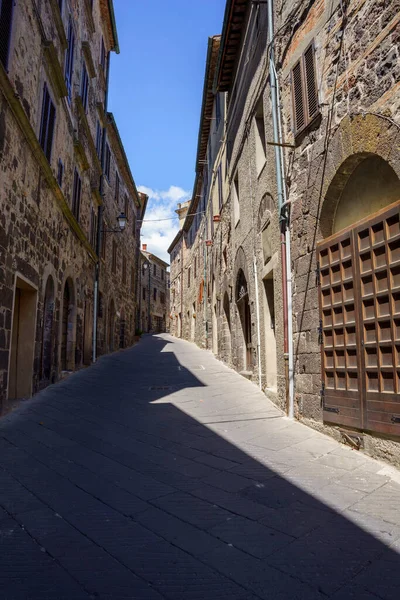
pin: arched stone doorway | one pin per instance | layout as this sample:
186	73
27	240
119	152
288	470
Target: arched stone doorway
243	307
111	326
226	329
47	334
359	289
67	327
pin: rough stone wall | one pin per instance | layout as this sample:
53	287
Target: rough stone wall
39	236
358	73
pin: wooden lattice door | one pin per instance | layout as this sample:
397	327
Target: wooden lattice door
339	332
360	324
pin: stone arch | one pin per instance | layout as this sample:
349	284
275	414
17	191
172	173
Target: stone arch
68	326
47	330
364	184
244	346
265	210
358	138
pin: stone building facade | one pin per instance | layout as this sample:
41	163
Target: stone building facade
59	152
153	302
309	231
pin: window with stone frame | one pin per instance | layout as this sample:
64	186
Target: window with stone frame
144	293
60	172
117	185
220	195
76	195
124	270
93	226
162	274
155	270
132	279
99	134
84	86
259	130
236	205
6	13
69	59
103	55
126	206
114	257
304	91
162	298
104	242
217	110
47	123
155	294
107	162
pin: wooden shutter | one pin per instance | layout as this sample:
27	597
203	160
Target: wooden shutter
310	83
298	98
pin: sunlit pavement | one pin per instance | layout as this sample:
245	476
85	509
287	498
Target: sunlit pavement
160	473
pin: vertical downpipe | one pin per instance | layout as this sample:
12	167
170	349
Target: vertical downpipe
285	231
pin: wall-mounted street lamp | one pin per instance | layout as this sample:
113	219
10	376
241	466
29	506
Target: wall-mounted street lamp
121	220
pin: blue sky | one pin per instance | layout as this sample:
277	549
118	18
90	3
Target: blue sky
156	85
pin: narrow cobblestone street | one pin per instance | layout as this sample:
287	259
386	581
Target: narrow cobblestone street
160	473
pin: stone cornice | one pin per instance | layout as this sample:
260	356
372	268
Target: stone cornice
59	24
55	72
89	15
87	53
83	118
31	139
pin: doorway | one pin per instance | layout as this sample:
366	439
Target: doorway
47	335
22	341
111	327
269	332
193	323
243	306
88	333
67	328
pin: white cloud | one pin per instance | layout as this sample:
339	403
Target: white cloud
158	233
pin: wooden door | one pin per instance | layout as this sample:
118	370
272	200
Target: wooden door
378	256
339	332
360	324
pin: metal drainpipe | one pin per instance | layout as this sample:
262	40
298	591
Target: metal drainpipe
282	205
100	213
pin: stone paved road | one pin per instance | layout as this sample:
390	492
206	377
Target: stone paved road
159	473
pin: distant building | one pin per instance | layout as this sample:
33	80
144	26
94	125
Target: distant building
153	299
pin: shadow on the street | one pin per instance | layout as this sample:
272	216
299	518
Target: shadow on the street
109	476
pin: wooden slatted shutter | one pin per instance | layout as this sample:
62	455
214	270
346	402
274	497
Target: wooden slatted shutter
298	98
310	83
304	91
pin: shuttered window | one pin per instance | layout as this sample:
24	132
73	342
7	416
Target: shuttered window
6	9
47	123
304	91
